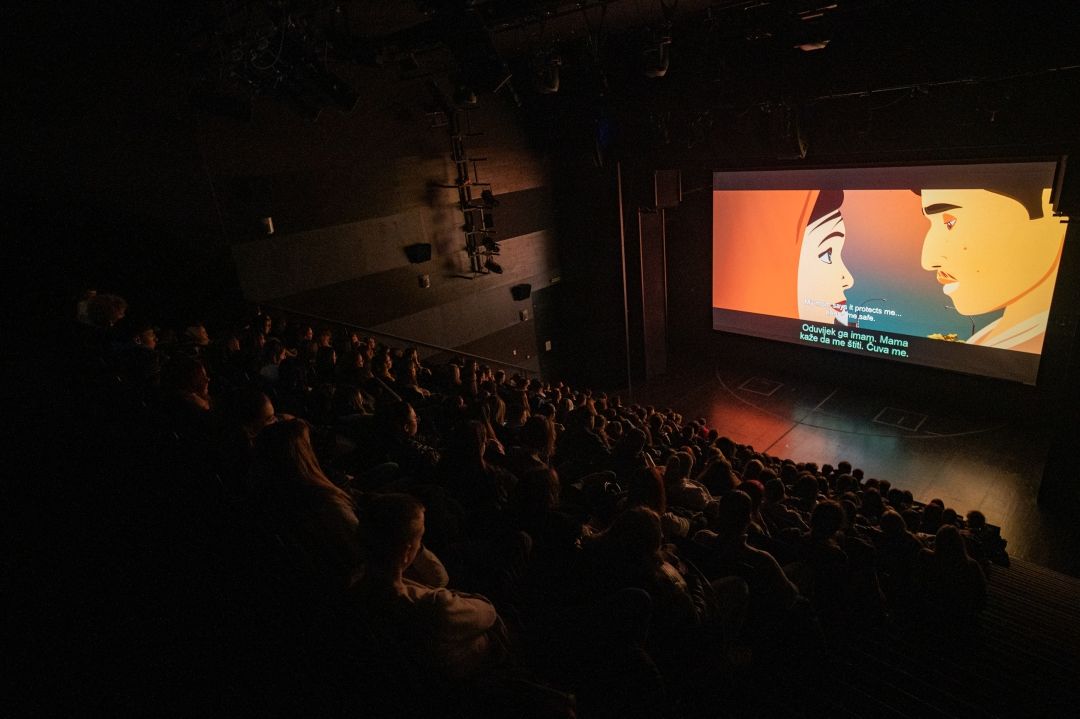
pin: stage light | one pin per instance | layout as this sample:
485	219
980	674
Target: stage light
492	266
657	58
546	73
465	97
489	199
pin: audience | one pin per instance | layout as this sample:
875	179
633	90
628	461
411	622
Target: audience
553	507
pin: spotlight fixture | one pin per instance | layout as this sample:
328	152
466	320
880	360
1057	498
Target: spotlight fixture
489	199
657	58
465	97
492	266
546	73
787	135
490	245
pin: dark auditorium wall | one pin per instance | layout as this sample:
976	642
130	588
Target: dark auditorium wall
347	194
128	186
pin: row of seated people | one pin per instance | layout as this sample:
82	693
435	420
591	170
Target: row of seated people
523	539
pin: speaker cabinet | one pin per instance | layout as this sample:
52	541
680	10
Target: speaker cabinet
420	252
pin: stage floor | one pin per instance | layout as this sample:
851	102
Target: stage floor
971	459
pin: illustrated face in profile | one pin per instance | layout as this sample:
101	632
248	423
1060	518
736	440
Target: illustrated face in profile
987	252
823	278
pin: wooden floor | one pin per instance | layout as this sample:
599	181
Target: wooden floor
990	461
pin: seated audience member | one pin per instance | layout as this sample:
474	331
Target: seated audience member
680	489
381	364
326	359
252	345
398	426
777	514
273	355
985	542
103	311
771	592
686	608
535	446
249	410
757	531
895	499
349	368
408	384
480	486
351	403
822	567
932	515
951	583
139	359
646	489
752	470
195	341
578	450
718	477
452	633
228	362
897	551
950	516
805	492
300	502
297	374
630	454
185	387
871	506
534	508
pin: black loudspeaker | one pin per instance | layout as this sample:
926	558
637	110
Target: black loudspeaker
1065	195
521	292
667	185
420	252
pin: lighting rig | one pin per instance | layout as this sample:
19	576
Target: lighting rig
478	222
275	48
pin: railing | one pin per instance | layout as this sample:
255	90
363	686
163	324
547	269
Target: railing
407	341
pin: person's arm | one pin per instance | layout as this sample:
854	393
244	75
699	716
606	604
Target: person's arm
427	569
782	588
463	615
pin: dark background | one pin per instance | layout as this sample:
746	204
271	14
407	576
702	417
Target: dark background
147	149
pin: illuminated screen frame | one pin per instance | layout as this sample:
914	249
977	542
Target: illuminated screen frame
898	306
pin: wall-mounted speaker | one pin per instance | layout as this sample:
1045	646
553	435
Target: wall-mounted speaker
521	292
420	252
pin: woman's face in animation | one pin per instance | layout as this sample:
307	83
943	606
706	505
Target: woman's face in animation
823	277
